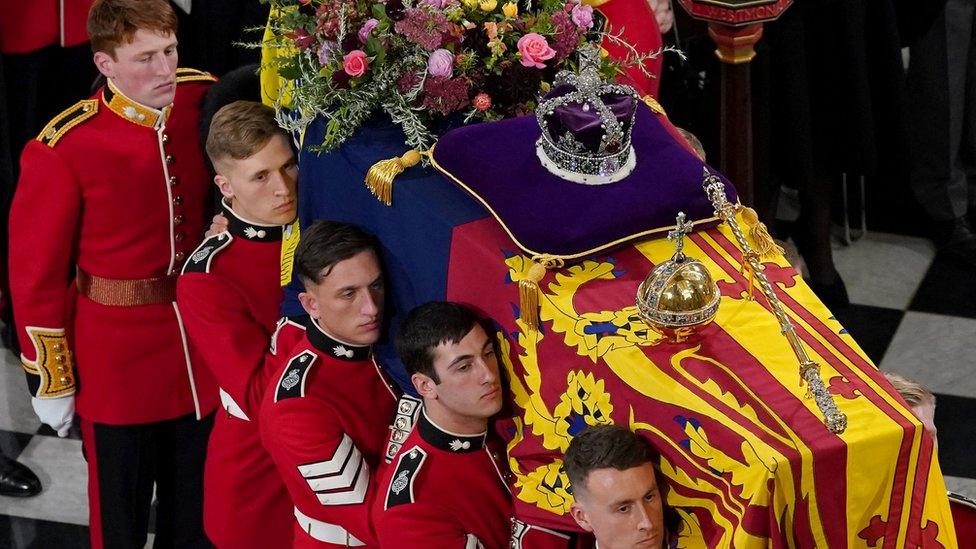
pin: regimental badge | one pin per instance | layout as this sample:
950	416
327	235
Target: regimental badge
201	254
457	445
292	379
251	232
402	485
400	482
202	258
292	382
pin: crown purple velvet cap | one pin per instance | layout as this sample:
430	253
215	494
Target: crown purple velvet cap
585	123
496	163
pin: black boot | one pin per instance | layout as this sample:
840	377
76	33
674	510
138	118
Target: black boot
956	240
16	479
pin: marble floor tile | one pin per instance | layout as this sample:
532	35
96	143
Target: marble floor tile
871	327
16	413
13	443
61	468
948	289
883	270
25	533
935	350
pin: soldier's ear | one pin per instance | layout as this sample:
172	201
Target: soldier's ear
424	385
223	184
310	304
104	63
579	515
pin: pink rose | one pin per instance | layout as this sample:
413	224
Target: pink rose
355	63
583	16
440	63
535	50
368	27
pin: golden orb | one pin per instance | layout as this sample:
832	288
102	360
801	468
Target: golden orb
678	297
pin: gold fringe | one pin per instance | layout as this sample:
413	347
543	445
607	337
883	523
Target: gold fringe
379	178
529	295
762	242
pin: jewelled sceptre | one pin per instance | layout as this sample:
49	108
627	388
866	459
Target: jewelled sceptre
835	420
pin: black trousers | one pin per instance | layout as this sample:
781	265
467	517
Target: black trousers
942	113
125	462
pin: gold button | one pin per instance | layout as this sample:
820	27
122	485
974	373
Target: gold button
179	237
62	369
180	256
173	181
59	359
177	200
65	379
178	219
165	138
169	159
58	347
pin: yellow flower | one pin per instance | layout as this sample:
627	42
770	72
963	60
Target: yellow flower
470	4
487	5
510	9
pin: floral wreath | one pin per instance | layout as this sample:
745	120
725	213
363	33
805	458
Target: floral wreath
425	63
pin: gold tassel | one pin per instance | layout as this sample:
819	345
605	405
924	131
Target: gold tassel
762	242
379	178
529	294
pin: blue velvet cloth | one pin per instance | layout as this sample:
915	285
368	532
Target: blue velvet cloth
415	231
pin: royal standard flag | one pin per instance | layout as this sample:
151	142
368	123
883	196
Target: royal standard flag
746	456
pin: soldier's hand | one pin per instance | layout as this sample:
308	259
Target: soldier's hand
217	225
663	14
56	412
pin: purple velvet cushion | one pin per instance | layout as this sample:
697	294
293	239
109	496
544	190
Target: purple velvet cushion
496	162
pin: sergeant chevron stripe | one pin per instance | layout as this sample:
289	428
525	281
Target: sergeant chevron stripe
340	480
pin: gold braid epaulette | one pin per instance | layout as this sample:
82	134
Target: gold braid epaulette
69	118
53	364
192	75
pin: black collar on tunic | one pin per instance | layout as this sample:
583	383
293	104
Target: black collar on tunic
334	348
250	230
446	440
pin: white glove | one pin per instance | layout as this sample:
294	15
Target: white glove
56	412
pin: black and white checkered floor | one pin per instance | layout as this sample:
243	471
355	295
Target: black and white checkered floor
911	312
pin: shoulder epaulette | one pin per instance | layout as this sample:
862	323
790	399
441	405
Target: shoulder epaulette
401	484
69	118
292	382
201	258
192	75
295	322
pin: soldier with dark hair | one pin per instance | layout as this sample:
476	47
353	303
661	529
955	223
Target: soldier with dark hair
614	485
452	365
326	414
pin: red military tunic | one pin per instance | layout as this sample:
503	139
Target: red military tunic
116	190
326	422
445	491
35	24
229	295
